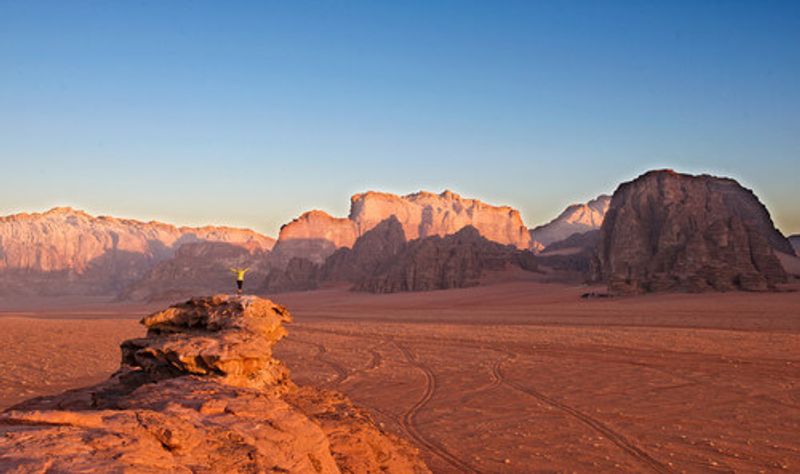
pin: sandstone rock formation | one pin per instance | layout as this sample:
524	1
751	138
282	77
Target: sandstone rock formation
316	235
425	214
372	250
435	263
346	265
671	231
577	218
198	267
795	241
65	251
200	393
300	274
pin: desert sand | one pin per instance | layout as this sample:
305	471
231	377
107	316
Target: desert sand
509	377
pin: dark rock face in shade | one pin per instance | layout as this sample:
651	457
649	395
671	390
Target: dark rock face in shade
666	231
436	263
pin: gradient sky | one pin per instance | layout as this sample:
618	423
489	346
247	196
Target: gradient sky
248	113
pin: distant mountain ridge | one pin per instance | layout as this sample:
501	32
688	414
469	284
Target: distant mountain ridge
67	251
575	219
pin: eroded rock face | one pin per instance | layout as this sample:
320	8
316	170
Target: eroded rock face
671	231
577	218
200	393
316	235
372	250
436	263
313	236
425	214
66	251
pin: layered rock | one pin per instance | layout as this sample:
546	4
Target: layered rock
316	235
65	251
425	214
576	219
671	231
201	393
435	263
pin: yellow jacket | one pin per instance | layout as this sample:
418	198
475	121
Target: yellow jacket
239	272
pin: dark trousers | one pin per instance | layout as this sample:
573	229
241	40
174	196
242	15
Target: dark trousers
239	283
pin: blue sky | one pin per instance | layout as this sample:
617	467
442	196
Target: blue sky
248	113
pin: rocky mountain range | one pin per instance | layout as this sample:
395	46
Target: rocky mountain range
576	219
671	231
383	261
315	235
67	251
201	393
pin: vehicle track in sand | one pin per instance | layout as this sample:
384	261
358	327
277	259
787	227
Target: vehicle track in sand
341	372
409	419
614	436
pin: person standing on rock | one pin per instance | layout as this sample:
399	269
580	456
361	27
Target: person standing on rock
239	272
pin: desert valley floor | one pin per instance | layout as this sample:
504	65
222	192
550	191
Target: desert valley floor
510	377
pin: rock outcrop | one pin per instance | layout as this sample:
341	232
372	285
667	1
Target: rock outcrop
316	235
66	251
201	393
671	231
577	218
436	263
372	250
300	274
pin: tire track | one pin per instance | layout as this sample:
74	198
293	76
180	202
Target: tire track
615	437
341	372
409	419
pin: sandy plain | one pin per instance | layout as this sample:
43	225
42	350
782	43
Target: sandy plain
510	377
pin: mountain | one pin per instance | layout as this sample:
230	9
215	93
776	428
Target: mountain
201	392
795	241
671	231
198	267
67	251
436	263
372	250
577	218
315	235
346	265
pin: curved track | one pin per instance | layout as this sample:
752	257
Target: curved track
614	436
409	419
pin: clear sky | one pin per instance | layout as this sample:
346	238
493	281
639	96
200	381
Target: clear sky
248	113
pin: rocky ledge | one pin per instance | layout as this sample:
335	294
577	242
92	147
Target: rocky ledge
201	393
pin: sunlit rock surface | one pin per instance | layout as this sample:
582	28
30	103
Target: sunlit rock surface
200	393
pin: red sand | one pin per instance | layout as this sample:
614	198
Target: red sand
513	377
